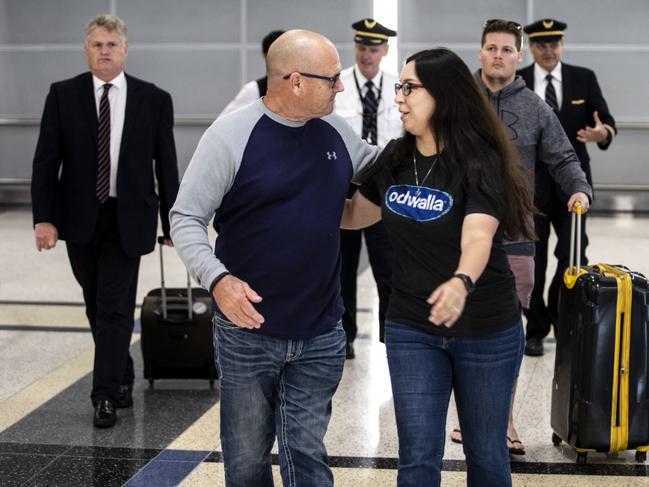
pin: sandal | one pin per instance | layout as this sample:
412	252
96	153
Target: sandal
515	450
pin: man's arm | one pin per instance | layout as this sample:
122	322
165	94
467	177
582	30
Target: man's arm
45	173
604	130
208	178
555	151
166	164
361	153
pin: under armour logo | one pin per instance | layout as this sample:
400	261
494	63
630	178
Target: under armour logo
331	155
510	119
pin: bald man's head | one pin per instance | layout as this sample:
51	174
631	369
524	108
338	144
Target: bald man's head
303	69
299	50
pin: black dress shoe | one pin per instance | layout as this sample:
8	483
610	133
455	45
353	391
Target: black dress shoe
124	397
349	351
534	347
105	415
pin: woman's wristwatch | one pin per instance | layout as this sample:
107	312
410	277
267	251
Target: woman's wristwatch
466	280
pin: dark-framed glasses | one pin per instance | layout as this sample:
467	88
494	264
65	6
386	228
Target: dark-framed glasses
406	88
332	79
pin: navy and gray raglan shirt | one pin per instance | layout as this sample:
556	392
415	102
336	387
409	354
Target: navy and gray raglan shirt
276	189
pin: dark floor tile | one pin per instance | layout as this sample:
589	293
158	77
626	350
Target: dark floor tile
112	452
16	469
87	472
158	416
362	462
32	448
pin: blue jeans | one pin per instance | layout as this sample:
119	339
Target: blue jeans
424	368
276	387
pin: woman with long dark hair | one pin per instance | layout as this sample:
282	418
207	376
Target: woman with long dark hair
448	192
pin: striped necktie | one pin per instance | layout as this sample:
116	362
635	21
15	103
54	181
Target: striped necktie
550	94
370	105
103	147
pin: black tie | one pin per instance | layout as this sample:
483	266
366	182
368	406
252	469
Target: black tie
370	104
550	94
103	147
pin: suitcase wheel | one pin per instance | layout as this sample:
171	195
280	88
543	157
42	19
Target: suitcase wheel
581	458
556	441
641	456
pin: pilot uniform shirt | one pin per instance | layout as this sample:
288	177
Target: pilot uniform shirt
350	107
425	232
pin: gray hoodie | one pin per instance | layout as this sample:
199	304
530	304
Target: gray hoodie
537	134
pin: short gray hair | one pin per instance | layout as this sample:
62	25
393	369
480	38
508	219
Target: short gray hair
111	23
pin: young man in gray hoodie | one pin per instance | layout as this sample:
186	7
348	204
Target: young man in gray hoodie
537	134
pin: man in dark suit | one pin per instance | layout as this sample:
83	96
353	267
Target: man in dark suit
93	186
574	94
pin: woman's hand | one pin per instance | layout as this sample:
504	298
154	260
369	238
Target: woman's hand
447	302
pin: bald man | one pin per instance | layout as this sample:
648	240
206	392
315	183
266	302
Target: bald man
274	176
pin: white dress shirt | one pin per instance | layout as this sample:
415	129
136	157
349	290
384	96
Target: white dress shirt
350	107
247	94
540	83
117	100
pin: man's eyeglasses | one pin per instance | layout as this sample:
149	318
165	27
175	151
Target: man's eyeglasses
406	88
332	79
510	24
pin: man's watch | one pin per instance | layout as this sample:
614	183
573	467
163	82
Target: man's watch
466	280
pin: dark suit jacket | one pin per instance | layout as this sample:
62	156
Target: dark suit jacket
581	97
65	163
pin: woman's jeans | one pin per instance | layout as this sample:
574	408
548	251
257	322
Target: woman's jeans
276	387
481	371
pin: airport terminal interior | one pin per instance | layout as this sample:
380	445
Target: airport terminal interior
202	52
171	435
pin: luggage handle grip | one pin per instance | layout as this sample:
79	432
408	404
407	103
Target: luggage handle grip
575	240
163	288
574	264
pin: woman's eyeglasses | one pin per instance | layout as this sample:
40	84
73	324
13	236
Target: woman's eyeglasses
406	88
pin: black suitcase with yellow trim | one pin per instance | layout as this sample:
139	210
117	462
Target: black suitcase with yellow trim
600	390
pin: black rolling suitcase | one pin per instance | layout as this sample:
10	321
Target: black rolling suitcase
176	335
600	390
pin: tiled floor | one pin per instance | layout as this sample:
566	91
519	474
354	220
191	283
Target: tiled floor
171	436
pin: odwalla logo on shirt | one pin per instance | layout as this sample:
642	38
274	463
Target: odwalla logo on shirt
429	204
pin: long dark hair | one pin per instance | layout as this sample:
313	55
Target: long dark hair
475	149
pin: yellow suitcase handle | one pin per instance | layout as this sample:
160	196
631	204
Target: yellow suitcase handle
574	269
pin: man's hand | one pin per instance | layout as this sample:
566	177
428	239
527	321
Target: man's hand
234	298
168	242
581	198
598	133
46	236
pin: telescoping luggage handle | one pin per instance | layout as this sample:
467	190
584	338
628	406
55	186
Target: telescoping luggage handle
163	289
574	269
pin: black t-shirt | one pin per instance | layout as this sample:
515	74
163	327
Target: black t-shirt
425	231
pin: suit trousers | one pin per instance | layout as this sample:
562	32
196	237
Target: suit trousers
108	278
379	252
541	316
